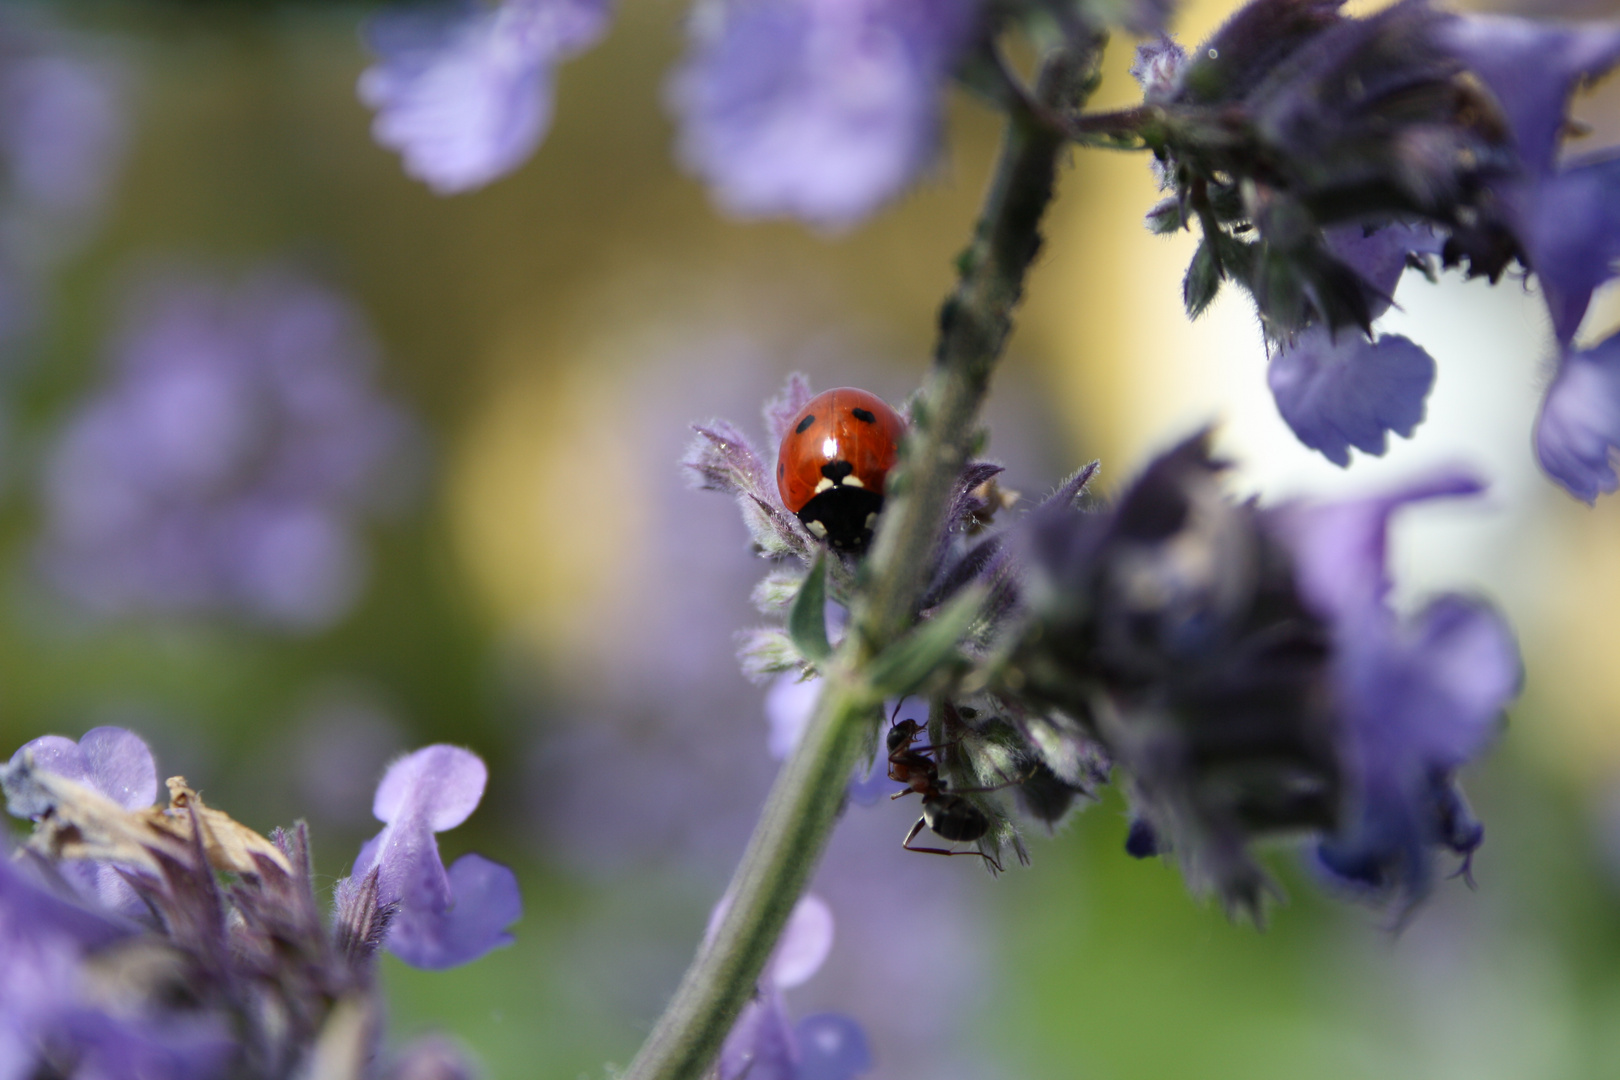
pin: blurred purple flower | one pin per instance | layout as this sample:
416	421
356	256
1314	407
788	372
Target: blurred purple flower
231	968
1347	149
1342	389
1579	426
112	762
822	110
463	90
1339	391
1244	667
1418	698
223	465
445	917
764	1045
55	1020
789	704
62	138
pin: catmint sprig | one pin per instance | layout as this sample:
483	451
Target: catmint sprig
975	323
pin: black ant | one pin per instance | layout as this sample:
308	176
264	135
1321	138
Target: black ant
947	813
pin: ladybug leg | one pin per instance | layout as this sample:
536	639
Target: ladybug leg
917	828
901	794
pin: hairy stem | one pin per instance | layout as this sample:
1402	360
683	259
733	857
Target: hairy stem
805	800
974	324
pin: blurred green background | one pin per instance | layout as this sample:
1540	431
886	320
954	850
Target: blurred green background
561	603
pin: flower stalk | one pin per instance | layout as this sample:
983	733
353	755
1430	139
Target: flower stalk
804	802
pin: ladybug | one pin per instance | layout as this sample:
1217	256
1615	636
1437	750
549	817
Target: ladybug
832	463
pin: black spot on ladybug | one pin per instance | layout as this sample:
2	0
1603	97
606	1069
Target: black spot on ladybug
804	425
780	469
863	416
837	470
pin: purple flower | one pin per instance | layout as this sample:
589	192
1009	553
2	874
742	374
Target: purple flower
764	1045
1244	668
822	110
1533	68
1418	698
114	763
1323	154
224	463
463	90
1339	391
1579	426
1566	217
62	139
445	917
230	967
55	1019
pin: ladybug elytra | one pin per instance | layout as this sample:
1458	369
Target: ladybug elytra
833	461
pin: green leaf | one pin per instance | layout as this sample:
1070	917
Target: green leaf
903	666
1203	279
807	619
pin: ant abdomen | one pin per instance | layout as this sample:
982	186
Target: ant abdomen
954	818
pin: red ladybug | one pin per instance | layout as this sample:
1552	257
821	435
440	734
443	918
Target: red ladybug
833	461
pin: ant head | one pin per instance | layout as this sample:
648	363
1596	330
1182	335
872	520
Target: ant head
903	734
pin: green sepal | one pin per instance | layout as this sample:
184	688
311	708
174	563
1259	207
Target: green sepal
1168	217
807	619
902	667
1203	280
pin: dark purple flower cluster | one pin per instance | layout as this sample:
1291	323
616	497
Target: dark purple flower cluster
1244	667
820	110
1323	155
172	941
224	464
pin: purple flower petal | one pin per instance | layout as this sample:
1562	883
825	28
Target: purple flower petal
1382	256
1579	427
1419	701
788	706
804	945
832	1046
1341	548
120	766
464	91
1416	699
1336	393
760	1046
444	919
1533	68
485	902
443	784
49	1004
115	763
29	910
1571	228
821	110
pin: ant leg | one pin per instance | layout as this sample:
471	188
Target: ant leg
938	746
901	794
994	787
917	828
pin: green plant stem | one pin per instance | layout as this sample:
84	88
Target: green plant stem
805	800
